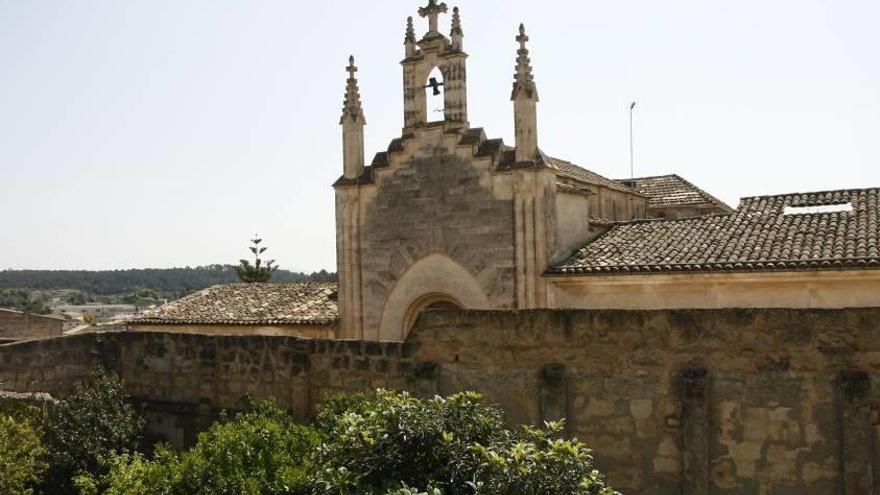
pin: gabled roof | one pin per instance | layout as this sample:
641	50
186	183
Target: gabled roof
250	304
759	235
673	190
570	170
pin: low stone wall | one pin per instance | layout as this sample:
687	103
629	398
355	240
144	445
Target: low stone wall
695	401
15	325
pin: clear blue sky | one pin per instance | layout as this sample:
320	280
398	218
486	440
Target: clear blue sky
165	133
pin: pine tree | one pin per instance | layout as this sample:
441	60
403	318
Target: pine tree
256	272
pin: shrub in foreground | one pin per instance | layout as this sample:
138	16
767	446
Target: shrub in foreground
96	422
258	452
21	452
390	444
454	445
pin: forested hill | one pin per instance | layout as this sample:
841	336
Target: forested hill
169	281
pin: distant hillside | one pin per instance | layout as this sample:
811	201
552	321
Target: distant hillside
173	282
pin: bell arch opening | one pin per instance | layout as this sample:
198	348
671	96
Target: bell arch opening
435	96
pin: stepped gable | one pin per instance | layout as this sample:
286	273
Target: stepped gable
673	190
764	233
250	304
503	157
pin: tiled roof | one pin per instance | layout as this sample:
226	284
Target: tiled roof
758	235
572	171
250	304
672	190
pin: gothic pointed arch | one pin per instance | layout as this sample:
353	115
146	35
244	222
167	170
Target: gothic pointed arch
433	280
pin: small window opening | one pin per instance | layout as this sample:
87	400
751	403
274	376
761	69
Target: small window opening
434	97
803	210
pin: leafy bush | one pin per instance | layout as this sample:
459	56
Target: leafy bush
537	461
21	452
456	445
96	422
392	444
259	452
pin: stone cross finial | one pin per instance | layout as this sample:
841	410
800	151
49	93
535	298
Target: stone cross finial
431	11
351	69
522	38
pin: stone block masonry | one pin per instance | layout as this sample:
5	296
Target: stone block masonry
15	325
735	401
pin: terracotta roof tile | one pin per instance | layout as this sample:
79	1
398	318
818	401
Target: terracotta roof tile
673	190
576	172
758	235
250	304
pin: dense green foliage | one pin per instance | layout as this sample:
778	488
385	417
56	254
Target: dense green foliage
22	301
456	445
258	272
171	282
387	444
96	422
21	455
259	452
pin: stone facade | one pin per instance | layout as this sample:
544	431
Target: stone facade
733	401
15	325
448	216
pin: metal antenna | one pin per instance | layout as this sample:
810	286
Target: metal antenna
632	170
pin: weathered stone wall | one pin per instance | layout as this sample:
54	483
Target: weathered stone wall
688	401
435	202
306	331
15	325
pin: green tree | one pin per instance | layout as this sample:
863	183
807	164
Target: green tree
391	444
256	272
259	452
77	299
22	301
21	455
96	422
454	445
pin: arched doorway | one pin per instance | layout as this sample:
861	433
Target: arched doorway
434	300
435	280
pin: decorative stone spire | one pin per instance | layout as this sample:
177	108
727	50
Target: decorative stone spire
523	80
432	11
409	41
352	122
351	107
456	34
525	98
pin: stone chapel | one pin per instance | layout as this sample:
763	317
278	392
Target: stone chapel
448	217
